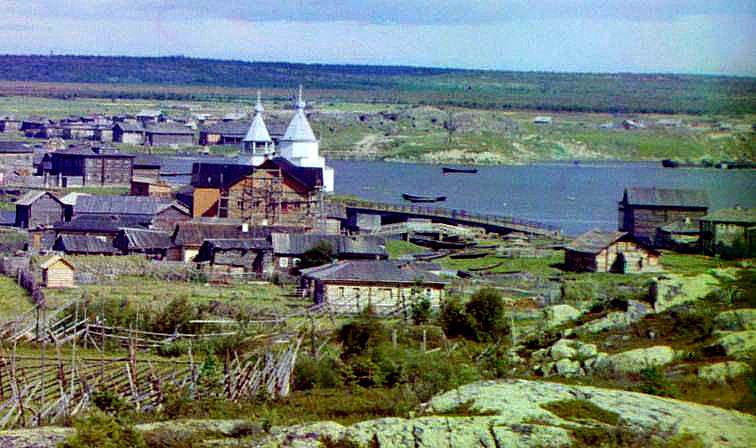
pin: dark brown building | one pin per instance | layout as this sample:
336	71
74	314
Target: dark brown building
83	165
643	210
128	132
150	243
276	192
168	134
16	158
155	213
38	209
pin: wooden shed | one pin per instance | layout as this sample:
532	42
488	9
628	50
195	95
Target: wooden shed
38	208
619	252
643	210
57	272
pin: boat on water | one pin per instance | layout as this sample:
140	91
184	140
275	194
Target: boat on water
669	163
449	170
422	198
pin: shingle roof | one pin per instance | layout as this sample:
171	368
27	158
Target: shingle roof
84	244
195	233
30	196
218	175
379	271
147	239
126	126
49	261
666	197
16	148
307	176
71	198
299	243
102	223
238	243
733	215
90	151
120	205
228	128
168	128
594	241
147	161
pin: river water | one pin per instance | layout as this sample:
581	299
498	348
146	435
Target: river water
575	198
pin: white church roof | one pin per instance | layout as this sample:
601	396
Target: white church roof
299	129
257	131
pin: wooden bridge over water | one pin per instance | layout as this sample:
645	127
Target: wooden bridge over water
396	213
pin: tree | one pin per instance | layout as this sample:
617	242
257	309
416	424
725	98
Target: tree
453	319
486	313
320	254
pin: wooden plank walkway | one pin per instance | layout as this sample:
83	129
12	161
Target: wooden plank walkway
494	223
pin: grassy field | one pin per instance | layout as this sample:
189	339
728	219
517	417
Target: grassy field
397	248
541	266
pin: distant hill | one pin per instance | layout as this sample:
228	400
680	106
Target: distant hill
661	93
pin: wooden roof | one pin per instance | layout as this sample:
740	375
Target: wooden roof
666	197
31	196
374	271
54	259
737	215
596	240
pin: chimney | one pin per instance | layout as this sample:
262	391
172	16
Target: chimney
245	227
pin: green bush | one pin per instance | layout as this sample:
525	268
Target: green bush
173	349
171	438
110	403
420	310
100	430
321	373
175	316
654	381
486	313
320	254
364	331
453	319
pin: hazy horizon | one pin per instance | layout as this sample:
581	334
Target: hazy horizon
714	37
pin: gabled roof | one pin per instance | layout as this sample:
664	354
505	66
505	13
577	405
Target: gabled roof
102	223
299	243
308	177
146	239
54	259
168	128
229	128
71	198
120	205
218	175
735	215
595	241
373	271
89	151
31	196
666	197
84	244
147	161
16	148
238	244
195	233
126	126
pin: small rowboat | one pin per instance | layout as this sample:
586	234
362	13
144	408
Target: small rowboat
422	198
447	170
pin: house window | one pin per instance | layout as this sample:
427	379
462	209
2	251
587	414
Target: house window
356	292
387	293
427	292
341	292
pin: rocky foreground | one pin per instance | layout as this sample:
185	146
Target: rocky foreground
493	414
537	414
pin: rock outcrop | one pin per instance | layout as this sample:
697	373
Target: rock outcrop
736	320
723	372
633	361
521	413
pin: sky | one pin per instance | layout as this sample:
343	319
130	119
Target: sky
679	36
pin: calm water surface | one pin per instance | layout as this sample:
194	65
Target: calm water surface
575	198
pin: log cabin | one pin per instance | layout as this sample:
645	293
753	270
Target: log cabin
38	209
225	259
618	252
150	243
9	123
288	248
17	158
386	286
643	210
129	133
57	272
85	165
156	213
84	245
168	134
724	228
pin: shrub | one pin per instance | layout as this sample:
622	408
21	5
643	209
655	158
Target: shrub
101	430
320	254
358	335
420	310
453	319
172	349
486	313
109	403
170	438
175	316
311	373
654	381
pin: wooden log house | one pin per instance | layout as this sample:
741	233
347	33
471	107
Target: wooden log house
38	209
57	272
643	210
618	252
